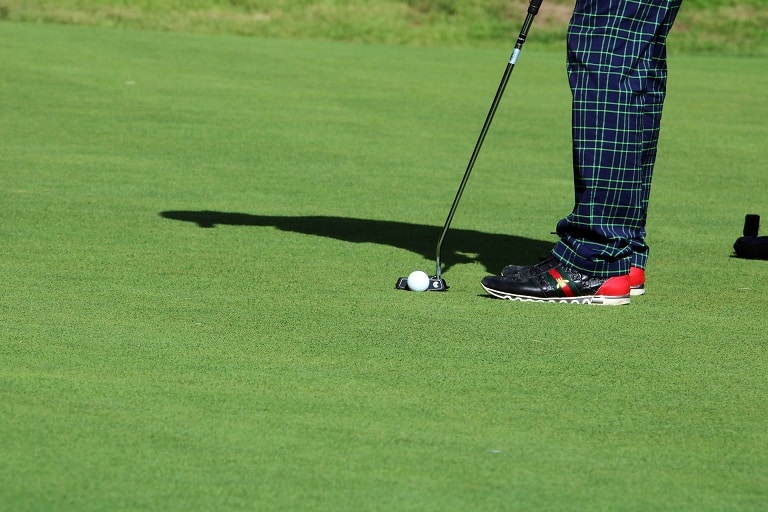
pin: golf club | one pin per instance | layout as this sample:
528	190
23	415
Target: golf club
436	282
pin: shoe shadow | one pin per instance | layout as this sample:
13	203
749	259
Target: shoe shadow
491	250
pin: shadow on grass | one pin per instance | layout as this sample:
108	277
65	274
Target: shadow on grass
460	245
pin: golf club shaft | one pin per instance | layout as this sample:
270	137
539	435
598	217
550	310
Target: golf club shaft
533	9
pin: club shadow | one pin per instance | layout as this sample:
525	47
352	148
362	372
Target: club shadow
492	250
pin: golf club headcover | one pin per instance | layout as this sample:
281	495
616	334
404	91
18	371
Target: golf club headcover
751	225
750	245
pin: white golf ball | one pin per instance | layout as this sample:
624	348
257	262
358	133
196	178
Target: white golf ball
418	281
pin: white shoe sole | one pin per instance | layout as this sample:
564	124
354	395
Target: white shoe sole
597	300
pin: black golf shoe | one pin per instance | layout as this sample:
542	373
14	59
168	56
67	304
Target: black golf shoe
551	281
636	274
544	264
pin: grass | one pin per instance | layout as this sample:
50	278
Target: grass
201	240
704	26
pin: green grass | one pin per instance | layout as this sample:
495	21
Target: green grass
704	26
201	237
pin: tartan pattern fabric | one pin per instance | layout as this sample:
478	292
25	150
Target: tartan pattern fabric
617	72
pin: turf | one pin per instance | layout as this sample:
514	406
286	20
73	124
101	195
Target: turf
201	237
735	27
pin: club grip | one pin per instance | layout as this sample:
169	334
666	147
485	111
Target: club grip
533	8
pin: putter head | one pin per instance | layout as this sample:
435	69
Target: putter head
435	284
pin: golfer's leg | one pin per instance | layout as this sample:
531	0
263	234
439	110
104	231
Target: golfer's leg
608	65
654	101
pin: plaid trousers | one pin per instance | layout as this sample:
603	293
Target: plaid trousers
617	70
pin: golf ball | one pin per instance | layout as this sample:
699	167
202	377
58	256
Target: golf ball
418	281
